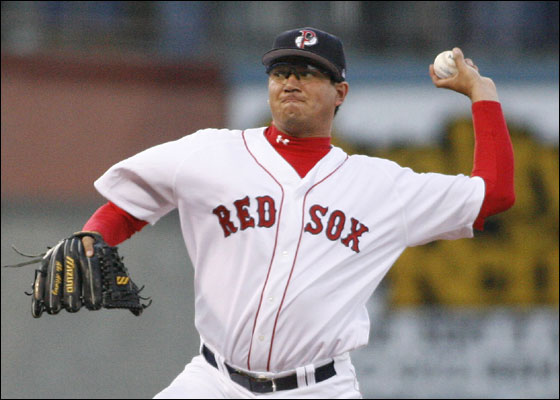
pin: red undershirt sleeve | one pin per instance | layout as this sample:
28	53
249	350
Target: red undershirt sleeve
493	159
113	223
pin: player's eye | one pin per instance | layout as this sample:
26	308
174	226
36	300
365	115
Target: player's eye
302	74
281	73
308	74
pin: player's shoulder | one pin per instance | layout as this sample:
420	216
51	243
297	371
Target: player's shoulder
195	142
373	162
213	134
367	166
209	137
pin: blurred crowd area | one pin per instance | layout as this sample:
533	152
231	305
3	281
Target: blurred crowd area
226	30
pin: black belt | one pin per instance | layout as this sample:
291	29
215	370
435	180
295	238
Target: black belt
266	385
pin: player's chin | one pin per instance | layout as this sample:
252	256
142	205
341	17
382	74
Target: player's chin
293	116
293	108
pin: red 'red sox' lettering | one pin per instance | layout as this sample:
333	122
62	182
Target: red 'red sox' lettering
335	226
355	233
243	214
223	217
313	211
266	218
266	211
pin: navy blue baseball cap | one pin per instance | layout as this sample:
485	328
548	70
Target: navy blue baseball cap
321	48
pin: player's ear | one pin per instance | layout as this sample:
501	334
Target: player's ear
341	92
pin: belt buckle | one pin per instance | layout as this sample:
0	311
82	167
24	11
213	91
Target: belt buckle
262	378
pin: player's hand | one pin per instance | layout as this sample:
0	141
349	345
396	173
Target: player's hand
467	81
88	241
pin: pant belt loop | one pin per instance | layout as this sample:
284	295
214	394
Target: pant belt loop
220	362
301	378
310	374
221	365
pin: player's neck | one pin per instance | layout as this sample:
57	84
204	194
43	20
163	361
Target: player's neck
302	153
302	131
280	141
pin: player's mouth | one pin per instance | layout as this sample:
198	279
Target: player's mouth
291	99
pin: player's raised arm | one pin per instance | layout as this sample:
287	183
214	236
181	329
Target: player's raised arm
493	155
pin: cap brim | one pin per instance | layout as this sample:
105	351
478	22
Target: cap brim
276	54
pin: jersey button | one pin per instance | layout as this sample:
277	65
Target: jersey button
285	253
261	338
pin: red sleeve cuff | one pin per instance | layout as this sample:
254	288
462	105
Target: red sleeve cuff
114	224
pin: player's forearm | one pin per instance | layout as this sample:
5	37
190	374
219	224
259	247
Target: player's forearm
493	159
484	89
113	223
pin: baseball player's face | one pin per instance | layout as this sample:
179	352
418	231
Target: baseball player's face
302	100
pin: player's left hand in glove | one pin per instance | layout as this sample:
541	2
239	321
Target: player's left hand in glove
69	279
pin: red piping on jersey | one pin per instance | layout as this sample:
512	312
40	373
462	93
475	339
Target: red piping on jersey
295	257
273	251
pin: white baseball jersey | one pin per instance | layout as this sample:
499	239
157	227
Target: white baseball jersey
284	265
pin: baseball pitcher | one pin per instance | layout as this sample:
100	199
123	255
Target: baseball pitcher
289	236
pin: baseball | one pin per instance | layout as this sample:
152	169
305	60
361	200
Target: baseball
444	64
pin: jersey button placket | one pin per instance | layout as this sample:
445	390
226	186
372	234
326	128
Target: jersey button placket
278	281
271	303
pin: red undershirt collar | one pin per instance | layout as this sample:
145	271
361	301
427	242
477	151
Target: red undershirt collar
301	153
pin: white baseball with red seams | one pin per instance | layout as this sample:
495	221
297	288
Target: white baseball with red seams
284	265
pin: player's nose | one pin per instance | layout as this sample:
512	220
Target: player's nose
291	84
292	79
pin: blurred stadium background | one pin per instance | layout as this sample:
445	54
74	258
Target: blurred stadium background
86	84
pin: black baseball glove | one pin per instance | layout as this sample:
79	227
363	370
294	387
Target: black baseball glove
69	279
